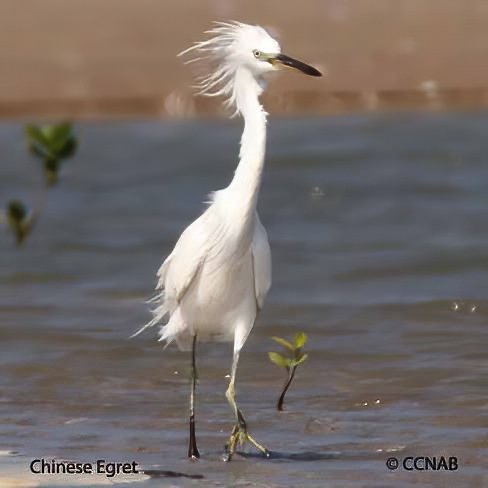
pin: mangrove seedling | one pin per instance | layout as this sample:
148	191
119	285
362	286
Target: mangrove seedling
18	220
52	144
290	362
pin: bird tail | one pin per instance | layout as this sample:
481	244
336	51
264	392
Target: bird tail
159	313
175	329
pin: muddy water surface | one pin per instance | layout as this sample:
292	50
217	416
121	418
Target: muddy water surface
379	232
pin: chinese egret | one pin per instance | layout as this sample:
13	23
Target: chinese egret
213	284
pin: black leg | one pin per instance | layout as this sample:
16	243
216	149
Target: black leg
192	446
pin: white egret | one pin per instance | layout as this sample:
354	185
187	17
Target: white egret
215	281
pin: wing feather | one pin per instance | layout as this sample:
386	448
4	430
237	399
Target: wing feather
261	254
179	270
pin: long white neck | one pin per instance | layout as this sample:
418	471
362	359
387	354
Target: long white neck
248	175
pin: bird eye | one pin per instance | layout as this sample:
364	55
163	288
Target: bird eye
256	53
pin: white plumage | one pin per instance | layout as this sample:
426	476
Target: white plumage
216	278
213	284
219	273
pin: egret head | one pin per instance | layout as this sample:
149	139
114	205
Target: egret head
236	47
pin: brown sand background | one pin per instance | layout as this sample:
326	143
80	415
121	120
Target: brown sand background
117	58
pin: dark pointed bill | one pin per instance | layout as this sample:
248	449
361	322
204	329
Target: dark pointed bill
294	63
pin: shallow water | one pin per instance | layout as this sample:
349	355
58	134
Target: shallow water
379	232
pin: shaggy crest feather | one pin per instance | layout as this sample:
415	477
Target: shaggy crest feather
217	59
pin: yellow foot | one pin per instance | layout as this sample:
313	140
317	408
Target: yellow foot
240	436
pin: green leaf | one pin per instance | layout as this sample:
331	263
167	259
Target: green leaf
284	343
279	360
38	150
63	143
60	132
16	211
49	132
37	141
18	220
300	360
51	140
300	340
35	134
67	149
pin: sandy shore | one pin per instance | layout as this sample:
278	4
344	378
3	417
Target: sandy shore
95	58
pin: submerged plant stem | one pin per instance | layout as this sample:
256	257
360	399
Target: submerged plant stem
281	399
